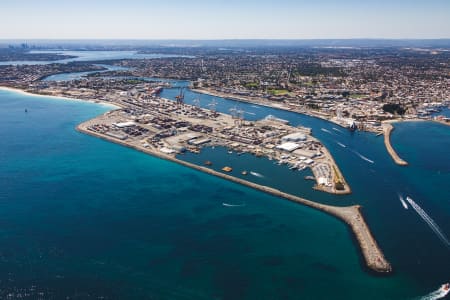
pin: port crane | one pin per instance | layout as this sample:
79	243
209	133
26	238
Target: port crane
237	115
180	96
212	106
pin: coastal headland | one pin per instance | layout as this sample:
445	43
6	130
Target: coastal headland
351	215
388	128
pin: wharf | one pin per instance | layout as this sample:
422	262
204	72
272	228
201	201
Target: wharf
387	128
351	215
270	104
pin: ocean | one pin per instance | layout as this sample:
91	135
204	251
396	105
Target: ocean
83	218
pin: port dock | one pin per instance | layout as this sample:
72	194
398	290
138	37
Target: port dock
351	215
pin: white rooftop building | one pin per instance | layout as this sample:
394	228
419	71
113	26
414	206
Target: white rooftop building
124	124
294	137
288	146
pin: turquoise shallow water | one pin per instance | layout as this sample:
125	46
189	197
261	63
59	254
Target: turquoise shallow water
84	218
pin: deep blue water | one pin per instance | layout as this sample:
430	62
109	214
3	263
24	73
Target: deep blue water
84	218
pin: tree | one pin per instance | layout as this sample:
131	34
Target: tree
394	108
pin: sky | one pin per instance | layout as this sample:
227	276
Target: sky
224	19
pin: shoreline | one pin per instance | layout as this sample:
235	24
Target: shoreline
27	93
262	103
441	122
350	215
337	174
387	130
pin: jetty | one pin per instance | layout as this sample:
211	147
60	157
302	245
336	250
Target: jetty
351	215
387	129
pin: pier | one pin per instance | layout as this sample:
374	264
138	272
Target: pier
387	128
351	215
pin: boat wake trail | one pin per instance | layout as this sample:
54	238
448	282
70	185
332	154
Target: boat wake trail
436	229
255	106
257	174
325	130
438	294
232	205
340	144
250	113
338	130
363	157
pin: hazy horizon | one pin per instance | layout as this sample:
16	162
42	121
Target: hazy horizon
225	20
125	44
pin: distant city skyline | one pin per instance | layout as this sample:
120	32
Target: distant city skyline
219	19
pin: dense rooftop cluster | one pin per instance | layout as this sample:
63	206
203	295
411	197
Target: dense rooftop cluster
360	84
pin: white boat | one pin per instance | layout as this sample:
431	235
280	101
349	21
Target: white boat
273	118
403	202
256	174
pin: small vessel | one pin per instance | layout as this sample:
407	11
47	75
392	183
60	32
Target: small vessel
208	163
227	169
403	202
273	118
445	287
232	205
244	172
256	174
157	90
26	110
440	293
230	152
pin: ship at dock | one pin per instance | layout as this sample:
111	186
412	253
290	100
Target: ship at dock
157	90
275	119
352	126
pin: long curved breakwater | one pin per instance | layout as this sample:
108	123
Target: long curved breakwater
388	128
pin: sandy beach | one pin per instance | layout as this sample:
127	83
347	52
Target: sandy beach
22	92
